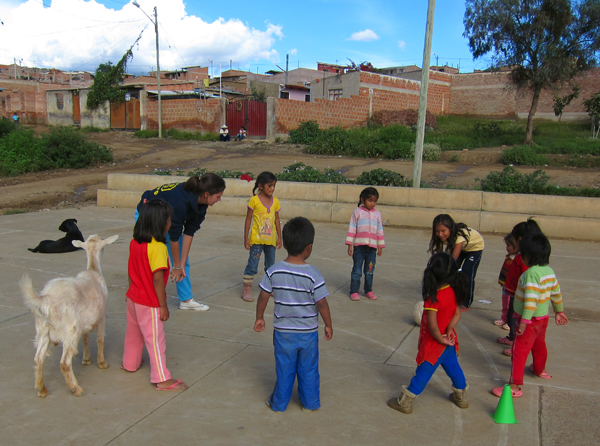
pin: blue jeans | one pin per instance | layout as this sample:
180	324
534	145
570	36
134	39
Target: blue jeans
184	286
254	258
296	354
468	262
364	261
449	363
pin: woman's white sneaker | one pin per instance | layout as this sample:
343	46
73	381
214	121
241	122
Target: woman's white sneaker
193	305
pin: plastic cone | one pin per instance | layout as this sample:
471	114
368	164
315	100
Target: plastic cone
505	413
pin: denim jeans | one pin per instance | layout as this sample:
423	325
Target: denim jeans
449	363
254	258
364	261
296	354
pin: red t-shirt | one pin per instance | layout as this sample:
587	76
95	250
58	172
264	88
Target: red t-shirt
144	260
514	273
430	350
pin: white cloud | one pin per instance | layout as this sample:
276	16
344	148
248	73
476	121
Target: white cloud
402	44
294	52
364	36
72	34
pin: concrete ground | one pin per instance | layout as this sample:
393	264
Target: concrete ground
230	368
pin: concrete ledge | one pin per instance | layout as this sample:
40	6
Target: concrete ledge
571	217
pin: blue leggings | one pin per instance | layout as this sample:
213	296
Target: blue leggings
449	363
296	354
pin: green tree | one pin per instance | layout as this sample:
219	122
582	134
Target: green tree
546	42
592	106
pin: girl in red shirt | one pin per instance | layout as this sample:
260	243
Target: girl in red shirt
445	288
148	270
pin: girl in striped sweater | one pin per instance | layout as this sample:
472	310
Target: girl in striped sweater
364	240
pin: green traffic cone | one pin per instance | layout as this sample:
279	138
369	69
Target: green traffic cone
505	413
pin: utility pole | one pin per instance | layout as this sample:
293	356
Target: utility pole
155	22
287	64
418	162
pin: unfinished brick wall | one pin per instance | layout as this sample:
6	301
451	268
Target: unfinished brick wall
27	98
183	114
389	93
491	94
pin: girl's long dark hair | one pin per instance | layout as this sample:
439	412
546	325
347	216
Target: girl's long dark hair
263	179
367	193
442	270
152	221
209	182
525	227
456	229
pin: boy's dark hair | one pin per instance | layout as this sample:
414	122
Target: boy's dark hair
209	182
297	234
442	270
456	229
525	227
152	221
263	179
367	193
535	247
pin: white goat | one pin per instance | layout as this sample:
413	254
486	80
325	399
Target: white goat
66	309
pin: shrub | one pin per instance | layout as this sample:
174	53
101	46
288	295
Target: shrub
146	133
431	152
222	173
21	152
523	156
511	181
92	129
307	132
6	126
407	117
187	136
302	173
382	177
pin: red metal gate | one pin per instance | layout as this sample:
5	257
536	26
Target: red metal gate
250	114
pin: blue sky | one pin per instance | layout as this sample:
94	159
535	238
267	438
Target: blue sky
256	36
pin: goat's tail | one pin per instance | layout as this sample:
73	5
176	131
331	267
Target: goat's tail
31	298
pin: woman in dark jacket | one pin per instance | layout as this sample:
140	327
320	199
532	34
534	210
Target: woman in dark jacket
189	201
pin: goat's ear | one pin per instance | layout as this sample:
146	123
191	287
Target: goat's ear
77	243
109	240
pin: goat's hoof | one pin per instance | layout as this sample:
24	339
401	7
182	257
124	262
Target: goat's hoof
43	393
86	361
78	392
103	365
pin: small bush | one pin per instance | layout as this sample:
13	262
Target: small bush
222	173
92	129
523	156
6	126
307	174
431	152
307	132
190	136
511	181
146	133
382	177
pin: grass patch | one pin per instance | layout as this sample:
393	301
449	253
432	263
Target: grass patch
15	211
177	134
92	129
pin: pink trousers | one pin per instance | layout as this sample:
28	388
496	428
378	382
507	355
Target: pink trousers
144	327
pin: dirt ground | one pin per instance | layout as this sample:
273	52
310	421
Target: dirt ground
75	187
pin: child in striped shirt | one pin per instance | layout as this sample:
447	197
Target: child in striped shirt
299	292
537	288
364	240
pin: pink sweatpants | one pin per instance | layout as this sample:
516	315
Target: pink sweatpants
145	327
532	340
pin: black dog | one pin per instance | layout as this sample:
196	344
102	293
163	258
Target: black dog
64	244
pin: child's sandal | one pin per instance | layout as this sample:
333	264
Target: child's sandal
504	340
499	322
541	375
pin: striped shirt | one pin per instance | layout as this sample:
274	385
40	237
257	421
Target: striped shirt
296	290
537	288
366	228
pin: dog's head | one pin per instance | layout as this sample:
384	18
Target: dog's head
70	227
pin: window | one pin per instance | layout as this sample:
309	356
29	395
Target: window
284	95
306	98
335	94
60	101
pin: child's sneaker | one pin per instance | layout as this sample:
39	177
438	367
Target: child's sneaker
354	296
193	305
370	295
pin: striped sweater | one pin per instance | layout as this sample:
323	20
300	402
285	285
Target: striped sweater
537	288
366	228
